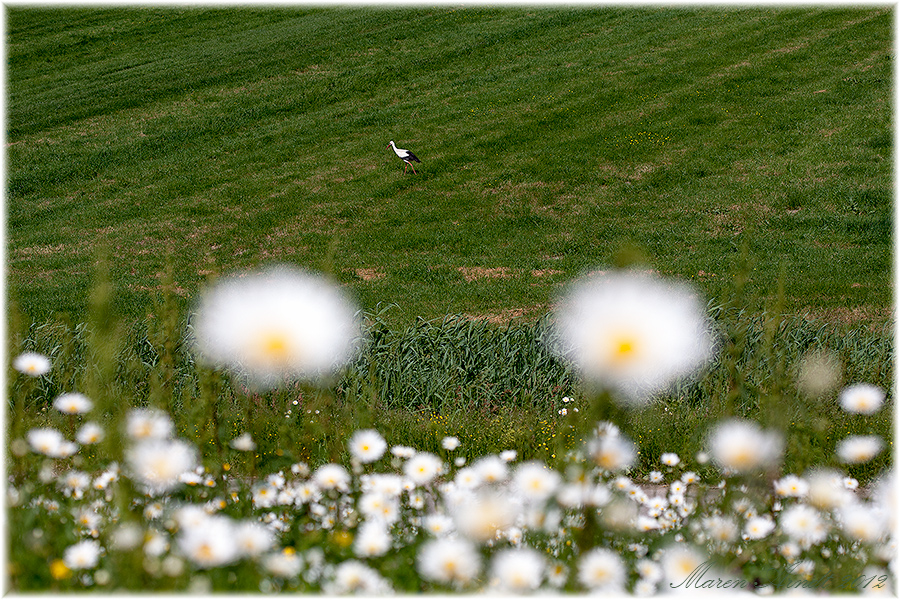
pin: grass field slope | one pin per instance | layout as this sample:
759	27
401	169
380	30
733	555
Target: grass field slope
550	139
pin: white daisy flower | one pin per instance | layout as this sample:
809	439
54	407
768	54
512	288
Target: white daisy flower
285	564
679	561
253	538
157	464
422	468
90	433
148	423
791	486
480	517
517	570
449	561
403	451
612	452
73	403
450	443
367	445
32	364
372	539
803	524
862	398
743	446
670	459
212	545
46	440
331	476
279	325
826	489
858	449
632	332
82	555
601	570
863	522
508	455
756	528
535	481
352	576
243	443
491	468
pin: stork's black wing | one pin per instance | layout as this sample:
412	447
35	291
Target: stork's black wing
411	157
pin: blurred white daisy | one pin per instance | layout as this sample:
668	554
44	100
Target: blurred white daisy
864	522
670	459
73	403
757	528
679	561
148	423
212	545
517	570
47	441
367	445
450	443
601	570
276	326
480	517
862	398
285	564
372	539
803	524
331	476
253	538
742	446
612	452
90	433
535	481
32	364
791	486
158	464
491	468
449	561
422	468
82	555
352	576
826	489
633	333
243	443
403	451
859	448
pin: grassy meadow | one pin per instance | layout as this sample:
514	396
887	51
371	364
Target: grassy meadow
153	151
221	140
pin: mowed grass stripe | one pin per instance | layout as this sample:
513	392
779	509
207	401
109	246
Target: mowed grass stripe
228	139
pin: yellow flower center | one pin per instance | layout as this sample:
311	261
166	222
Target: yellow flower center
624	349
273	347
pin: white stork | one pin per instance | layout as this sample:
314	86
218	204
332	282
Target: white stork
408	157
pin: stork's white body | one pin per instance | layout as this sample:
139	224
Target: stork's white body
405	155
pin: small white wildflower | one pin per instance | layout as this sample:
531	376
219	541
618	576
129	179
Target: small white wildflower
32	364
82	555
73	403
858	449
862	398
422	468
450	443
157	464
148	423
743	446
367	445
601	570
243	443
517	570
669	459
90	433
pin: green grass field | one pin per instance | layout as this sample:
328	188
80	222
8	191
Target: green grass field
550	139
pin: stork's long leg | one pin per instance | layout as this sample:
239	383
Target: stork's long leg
413	168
